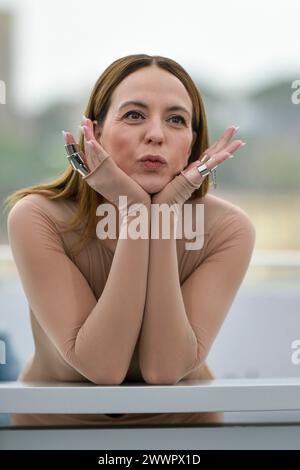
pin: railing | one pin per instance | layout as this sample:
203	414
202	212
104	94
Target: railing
276	258
186	396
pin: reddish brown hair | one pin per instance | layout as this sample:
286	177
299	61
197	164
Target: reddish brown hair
69	185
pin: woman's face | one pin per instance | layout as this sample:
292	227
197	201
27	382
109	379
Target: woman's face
132	131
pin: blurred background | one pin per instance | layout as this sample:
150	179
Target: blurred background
244	58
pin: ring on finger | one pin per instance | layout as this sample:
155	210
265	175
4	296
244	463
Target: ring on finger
203	170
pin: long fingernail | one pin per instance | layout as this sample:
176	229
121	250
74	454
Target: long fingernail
242	145
64	134
236	128
81	129
231	156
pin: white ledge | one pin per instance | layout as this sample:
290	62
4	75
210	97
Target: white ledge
271	394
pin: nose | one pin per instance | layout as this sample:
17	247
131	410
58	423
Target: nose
154	132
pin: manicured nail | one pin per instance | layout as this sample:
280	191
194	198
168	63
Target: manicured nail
231	156
236	128
242	145
84	118
81	129
64	134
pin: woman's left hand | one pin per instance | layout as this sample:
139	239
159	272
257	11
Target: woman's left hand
218	152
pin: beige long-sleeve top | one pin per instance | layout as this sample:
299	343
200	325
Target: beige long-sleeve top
125	310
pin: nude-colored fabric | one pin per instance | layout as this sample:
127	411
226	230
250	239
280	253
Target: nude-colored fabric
87	309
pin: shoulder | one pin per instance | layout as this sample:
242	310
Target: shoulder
26	206
225	221
38	207
37	219
218	210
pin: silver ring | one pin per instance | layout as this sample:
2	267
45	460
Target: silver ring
203	170
75	160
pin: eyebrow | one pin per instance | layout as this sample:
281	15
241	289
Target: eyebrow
144	105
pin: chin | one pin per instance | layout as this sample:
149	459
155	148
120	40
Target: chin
150	184
152	189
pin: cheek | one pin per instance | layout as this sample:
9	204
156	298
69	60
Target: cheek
119	144
182	152
185	145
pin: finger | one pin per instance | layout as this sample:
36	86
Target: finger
91	146
69	139
219	157
231	148
94	151
216	159
234	146
90	139
204	158
90	127
211	162
87	145
87	133
224	139
219	144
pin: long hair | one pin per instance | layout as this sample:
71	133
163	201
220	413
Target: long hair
70	185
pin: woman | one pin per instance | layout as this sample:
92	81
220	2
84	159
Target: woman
123	309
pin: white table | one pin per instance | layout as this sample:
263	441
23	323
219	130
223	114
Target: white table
186	396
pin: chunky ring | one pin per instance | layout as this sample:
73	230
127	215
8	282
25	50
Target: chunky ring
75	160
203	170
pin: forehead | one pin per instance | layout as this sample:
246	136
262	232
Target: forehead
153	85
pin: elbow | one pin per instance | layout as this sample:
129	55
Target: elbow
103	379
106	381
156	378
93	374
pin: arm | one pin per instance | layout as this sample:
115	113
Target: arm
181	323
95	336
167	341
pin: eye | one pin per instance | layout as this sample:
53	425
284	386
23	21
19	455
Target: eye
180	117
132	112
137	113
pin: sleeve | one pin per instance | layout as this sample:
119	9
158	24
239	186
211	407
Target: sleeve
177	191
95	336
111	181
210	290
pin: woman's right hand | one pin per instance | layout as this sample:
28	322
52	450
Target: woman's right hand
105	176
93	152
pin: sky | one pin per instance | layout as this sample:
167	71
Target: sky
61	47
